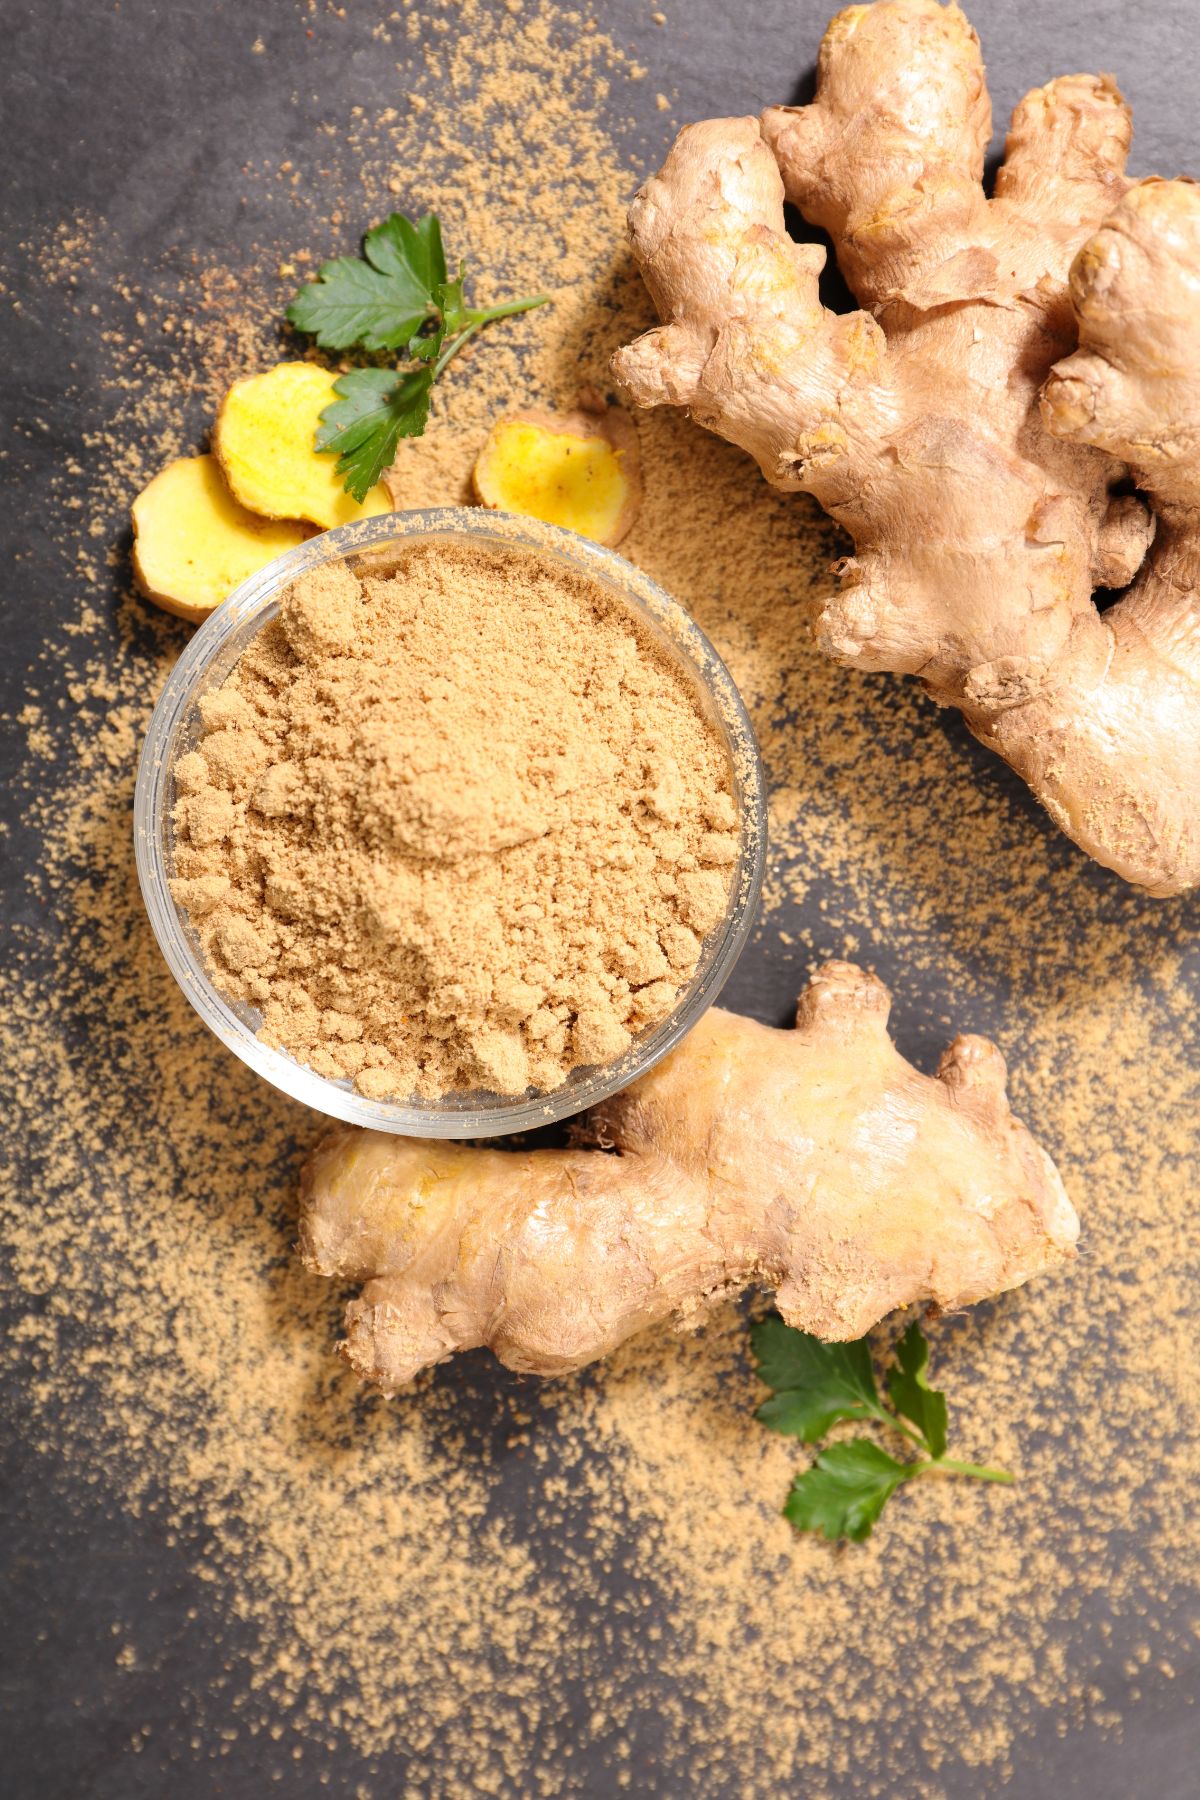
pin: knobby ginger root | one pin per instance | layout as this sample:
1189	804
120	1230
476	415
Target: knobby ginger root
193	544
816	1162
578	469
1018	364
264	441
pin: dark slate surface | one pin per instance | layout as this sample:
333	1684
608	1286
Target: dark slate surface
144	113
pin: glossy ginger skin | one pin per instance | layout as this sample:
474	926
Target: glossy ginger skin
1017	367
816	1162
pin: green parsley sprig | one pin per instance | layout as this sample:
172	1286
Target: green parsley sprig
396	296
816	1386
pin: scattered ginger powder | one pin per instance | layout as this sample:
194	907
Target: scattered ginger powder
457	824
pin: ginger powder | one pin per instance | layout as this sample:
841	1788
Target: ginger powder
459	825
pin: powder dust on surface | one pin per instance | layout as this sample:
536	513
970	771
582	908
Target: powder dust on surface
457	823
443	1584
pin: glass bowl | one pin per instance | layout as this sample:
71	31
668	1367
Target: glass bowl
175	728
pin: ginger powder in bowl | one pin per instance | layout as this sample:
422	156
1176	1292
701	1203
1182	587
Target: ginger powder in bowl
460	821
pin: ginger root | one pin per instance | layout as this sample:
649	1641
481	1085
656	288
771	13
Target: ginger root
264	443
816	1162
579	469
1020	365
193	544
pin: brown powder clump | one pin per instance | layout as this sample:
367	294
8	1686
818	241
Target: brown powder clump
461	824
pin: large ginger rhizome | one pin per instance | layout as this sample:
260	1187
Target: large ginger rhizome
1010	422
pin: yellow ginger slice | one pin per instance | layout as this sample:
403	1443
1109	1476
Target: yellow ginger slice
193	543
264	441
577	469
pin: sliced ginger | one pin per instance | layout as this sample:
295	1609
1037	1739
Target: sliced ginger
264	441
579	469
193	543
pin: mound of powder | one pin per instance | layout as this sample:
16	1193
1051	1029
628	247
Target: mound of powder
459	824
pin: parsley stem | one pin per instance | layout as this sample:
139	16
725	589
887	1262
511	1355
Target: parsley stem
510	307
944	1465
896	1424
478	321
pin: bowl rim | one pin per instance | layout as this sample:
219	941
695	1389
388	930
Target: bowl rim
254	603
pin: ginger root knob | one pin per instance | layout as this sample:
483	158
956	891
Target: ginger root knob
816	1162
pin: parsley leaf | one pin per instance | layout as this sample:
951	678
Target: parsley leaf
376	409
818	1385
911	1394
403	250
396	296
815	1384
380	300
845	1490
